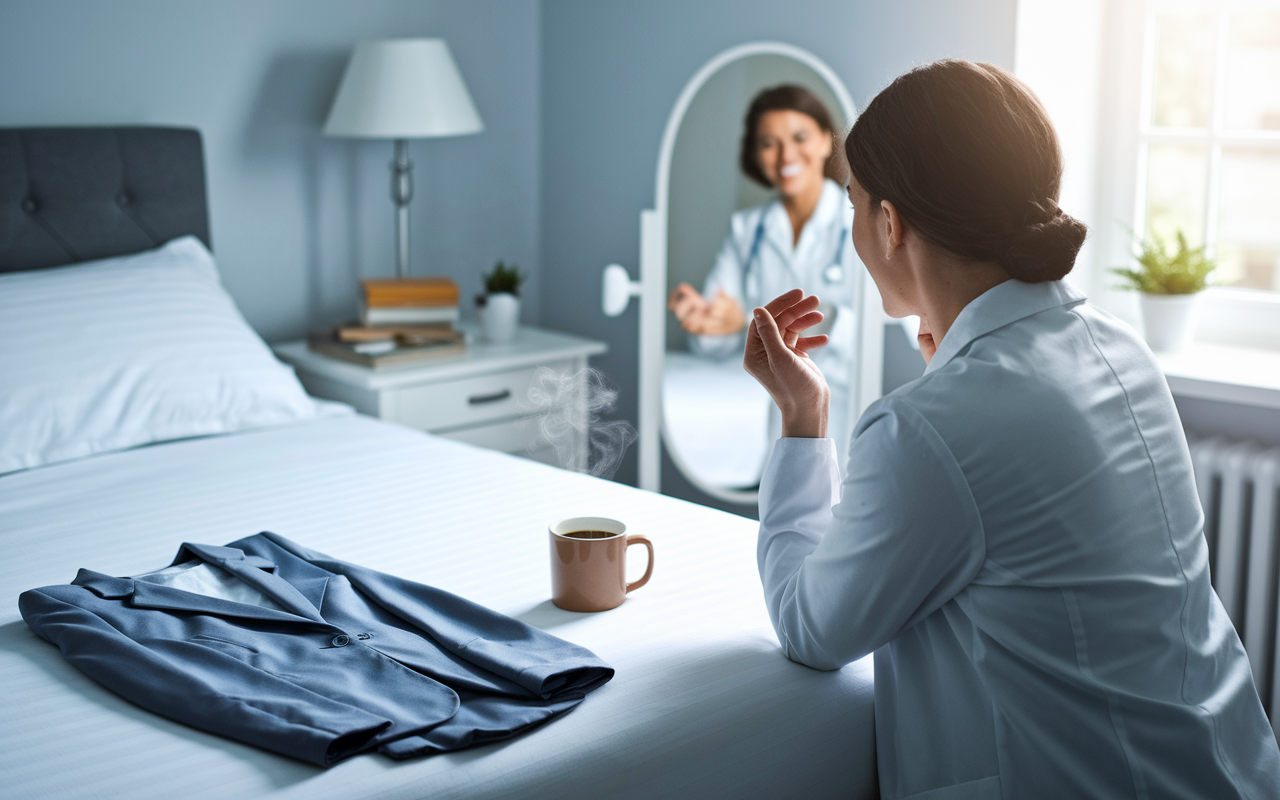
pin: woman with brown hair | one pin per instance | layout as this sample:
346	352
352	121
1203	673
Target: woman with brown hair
801	238
1018	537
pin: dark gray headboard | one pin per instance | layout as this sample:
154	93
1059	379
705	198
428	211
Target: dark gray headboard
73	194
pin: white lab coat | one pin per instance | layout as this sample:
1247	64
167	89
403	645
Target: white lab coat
779	266
1019	541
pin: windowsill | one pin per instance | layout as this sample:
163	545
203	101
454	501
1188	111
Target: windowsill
1227	373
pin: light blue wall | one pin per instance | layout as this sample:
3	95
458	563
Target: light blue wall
574	94
298	218
610	74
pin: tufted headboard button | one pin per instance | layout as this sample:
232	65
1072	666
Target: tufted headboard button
70	193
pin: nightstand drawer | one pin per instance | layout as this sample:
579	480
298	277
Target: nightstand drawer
480	397
521	437
466	401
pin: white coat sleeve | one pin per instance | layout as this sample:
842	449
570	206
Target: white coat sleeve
904	537
726	274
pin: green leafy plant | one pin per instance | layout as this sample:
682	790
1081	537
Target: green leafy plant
1165	270
503	279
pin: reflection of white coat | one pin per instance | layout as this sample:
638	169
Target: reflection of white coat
822	262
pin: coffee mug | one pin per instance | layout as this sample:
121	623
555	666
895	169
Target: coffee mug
589	563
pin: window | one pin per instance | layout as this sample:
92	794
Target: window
1168	112
1209	135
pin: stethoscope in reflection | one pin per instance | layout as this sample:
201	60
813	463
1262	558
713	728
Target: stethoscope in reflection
832	275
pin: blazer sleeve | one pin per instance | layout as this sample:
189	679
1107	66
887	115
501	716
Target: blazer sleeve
904	537
199	687
547	666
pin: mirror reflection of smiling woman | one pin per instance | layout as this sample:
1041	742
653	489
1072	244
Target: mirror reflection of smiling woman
799	239
1018	537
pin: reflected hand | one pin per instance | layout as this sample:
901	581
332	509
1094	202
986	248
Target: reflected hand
720	317
778	357
927	345
724	316
686	302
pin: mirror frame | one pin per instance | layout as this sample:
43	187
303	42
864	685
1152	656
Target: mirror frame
653	283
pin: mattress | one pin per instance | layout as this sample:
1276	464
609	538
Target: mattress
703	703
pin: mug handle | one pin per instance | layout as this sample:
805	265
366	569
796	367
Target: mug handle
649	569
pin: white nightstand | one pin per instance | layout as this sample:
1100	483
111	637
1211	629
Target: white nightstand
480	397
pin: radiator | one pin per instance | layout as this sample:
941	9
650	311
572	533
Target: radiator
1238	484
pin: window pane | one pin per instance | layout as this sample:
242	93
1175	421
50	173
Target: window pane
1176	192
1253	71
1184	70
1249	219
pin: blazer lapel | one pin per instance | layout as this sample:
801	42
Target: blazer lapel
259	573
149	595
310	589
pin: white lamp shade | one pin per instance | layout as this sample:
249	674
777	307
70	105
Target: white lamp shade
402	89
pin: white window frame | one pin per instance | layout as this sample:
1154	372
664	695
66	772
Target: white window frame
1090	61
1244	317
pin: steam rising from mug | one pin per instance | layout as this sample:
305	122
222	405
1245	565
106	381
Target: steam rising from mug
566	421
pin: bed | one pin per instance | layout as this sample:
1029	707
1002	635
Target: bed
717	417
703	703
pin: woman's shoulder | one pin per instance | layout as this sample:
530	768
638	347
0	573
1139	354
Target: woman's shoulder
1065	369
914	400
907	425
988	380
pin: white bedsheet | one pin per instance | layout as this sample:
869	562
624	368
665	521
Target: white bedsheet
717	419
703	704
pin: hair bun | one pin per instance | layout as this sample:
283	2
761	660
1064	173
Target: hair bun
1044	251
968	156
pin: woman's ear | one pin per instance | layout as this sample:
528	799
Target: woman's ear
893	227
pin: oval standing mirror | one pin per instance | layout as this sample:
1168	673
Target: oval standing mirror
753	207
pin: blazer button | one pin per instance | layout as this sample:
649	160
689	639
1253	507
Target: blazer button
341	640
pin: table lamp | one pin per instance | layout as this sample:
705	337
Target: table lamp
402	89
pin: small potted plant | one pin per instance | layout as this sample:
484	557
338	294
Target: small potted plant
500	304
1170	282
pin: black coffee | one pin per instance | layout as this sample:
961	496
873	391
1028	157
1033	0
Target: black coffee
589	534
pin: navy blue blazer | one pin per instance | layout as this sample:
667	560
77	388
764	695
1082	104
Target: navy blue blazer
356	661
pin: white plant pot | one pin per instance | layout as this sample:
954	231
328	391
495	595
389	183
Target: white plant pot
499	317
1168	320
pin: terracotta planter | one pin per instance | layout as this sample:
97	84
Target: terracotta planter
500	317
1168	320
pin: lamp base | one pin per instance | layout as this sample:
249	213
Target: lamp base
401	194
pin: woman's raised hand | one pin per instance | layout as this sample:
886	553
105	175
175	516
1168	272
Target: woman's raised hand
720	317
778	356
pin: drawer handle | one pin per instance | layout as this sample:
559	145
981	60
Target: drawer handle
481	399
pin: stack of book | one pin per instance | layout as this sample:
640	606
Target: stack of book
409	301
400	321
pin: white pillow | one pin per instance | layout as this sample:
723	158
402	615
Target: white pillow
126	351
